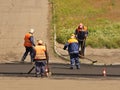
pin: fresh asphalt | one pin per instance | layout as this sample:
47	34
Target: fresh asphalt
60	69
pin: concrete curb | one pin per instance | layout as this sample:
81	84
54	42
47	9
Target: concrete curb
57	52
63	57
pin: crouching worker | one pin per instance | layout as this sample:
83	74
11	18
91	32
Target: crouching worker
41	59
73	50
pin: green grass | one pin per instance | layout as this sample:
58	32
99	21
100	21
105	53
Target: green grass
102	17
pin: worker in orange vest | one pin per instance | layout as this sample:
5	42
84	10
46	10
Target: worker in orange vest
41	58
28	44
81	34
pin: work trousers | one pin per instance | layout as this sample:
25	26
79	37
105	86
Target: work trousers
74	60
28	50
82	47
40	67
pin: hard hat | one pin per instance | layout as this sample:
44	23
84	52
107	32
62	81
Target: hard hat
31	31
80	26
73	36
40	42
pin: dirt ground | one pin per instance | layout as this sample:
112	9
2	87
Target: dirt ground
103	56
8	83
17	17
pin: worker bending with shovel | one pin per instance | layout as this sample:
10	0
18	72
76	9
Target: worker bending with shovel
41	59
81	34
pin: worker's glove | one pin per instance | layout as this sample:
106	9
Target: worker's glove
34	45
64	48
33	60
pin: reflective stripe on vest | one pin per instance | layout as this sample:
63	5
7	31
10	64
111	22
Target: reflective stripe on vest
40	52
72	40
27	41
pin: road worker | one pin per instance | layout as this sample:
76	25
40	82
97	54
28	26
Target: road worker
28	44
81	34
73	50
41	58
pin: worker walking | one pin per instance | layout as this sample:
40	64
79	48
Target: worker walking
73	50
41	58
28	44
81	34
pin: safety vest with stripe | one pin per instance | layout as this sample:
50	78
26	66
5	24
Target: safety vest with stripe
72	40
27	41
81	34
40	52
73	46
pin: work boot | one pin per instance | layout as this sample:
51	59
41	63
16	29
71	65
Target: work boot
42	75
77	66
22	60
37	75
71	67
32	62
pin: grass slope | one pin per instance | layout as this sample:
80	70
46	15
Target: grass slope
102	17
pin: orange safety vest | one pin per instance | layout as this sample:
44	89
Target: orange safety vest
27	41
85	28
40	52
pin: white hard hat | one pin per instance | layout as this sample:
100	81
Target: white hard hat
40	42
31	30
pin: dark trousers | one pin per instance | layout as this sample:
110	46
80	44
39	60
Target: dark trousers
28	50
82	47
74	59
40	67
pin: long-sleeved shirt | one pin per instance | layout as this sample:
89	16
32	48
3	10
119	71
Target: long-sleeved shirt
73	46
32	40
81	35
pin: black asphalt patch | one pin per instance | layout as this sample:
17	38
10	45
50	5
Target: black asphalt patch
60	69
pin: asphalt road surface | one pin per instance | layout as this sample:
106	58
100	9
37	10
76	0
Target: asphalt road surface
18	16
60	69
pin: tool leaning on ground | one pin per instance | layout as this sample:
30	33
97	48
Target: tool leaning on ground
47	70
93	61
31	70
81	53
83	57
